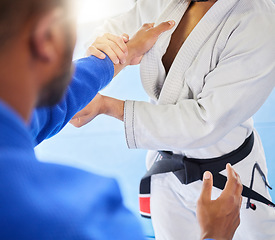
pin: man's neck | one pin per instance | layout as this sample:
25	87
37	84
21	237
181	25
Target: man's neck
16	90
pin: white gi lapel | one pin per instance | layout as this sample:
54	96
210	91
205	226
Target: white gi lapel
174	81
152	71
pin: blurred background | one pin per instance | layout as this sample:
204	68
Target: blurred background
91	14
100	146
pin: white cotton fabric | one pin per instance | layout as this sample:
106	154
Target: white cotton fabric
221	76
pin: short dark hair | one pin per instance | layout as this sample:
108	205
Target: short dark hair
15	13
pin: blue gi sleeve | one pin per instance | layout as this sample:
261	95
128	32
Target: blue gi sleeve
91	75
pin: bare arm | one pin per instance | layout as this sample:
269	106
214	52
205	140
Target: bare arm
141	42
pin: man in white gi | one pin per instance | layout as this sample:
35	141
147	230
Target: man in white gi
205	78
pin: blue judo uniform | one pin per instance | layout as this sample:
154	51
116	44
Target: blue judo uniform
49	201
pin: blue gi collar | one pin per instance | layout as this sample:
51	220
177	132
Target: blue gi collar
13	130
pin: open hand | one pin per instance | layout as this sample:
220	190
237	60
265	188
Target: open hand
99	105
145	38
220	218
87	114
118	47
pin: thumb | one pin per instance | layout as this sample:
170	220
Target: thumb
78	115
207	186
125	37
81	121
75	122
162	27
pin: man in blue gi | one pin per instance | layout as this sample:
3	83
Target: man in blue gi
49	201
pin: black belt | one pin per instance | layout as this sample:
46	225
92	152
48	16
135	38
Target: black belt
189	170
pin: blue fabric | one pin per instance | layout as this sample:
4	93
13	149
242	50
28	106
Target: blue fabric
49	201
91	75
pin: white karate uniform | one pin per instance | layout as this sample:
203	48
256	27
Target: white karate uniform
202	108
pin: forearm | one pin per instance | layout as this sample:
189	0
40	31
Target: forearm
113	107
142	42
91	75
119	67
134	56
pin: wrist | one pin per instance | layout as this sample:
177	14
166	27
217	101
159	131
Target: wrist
131	53
103	106
113	107
209	236
130	59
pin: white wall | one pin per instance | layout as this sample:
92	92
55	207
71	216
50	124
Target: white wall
94	10
92	13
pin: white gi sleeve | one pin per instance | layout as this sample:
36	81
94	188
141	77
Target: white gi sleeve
144	11
232	93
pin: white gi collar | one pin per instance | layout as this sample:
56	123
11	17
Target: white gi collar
151	65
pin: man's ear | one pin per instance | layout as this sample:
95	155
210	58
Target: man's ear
44	36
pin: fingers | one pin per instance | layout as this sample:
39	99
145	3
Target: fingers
233	185
206	186
125	37
77	119
113	46
111	51
93	51
239	186
165	26
75	122
77	115
147	26
119	42
234	181
80	122
240	201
